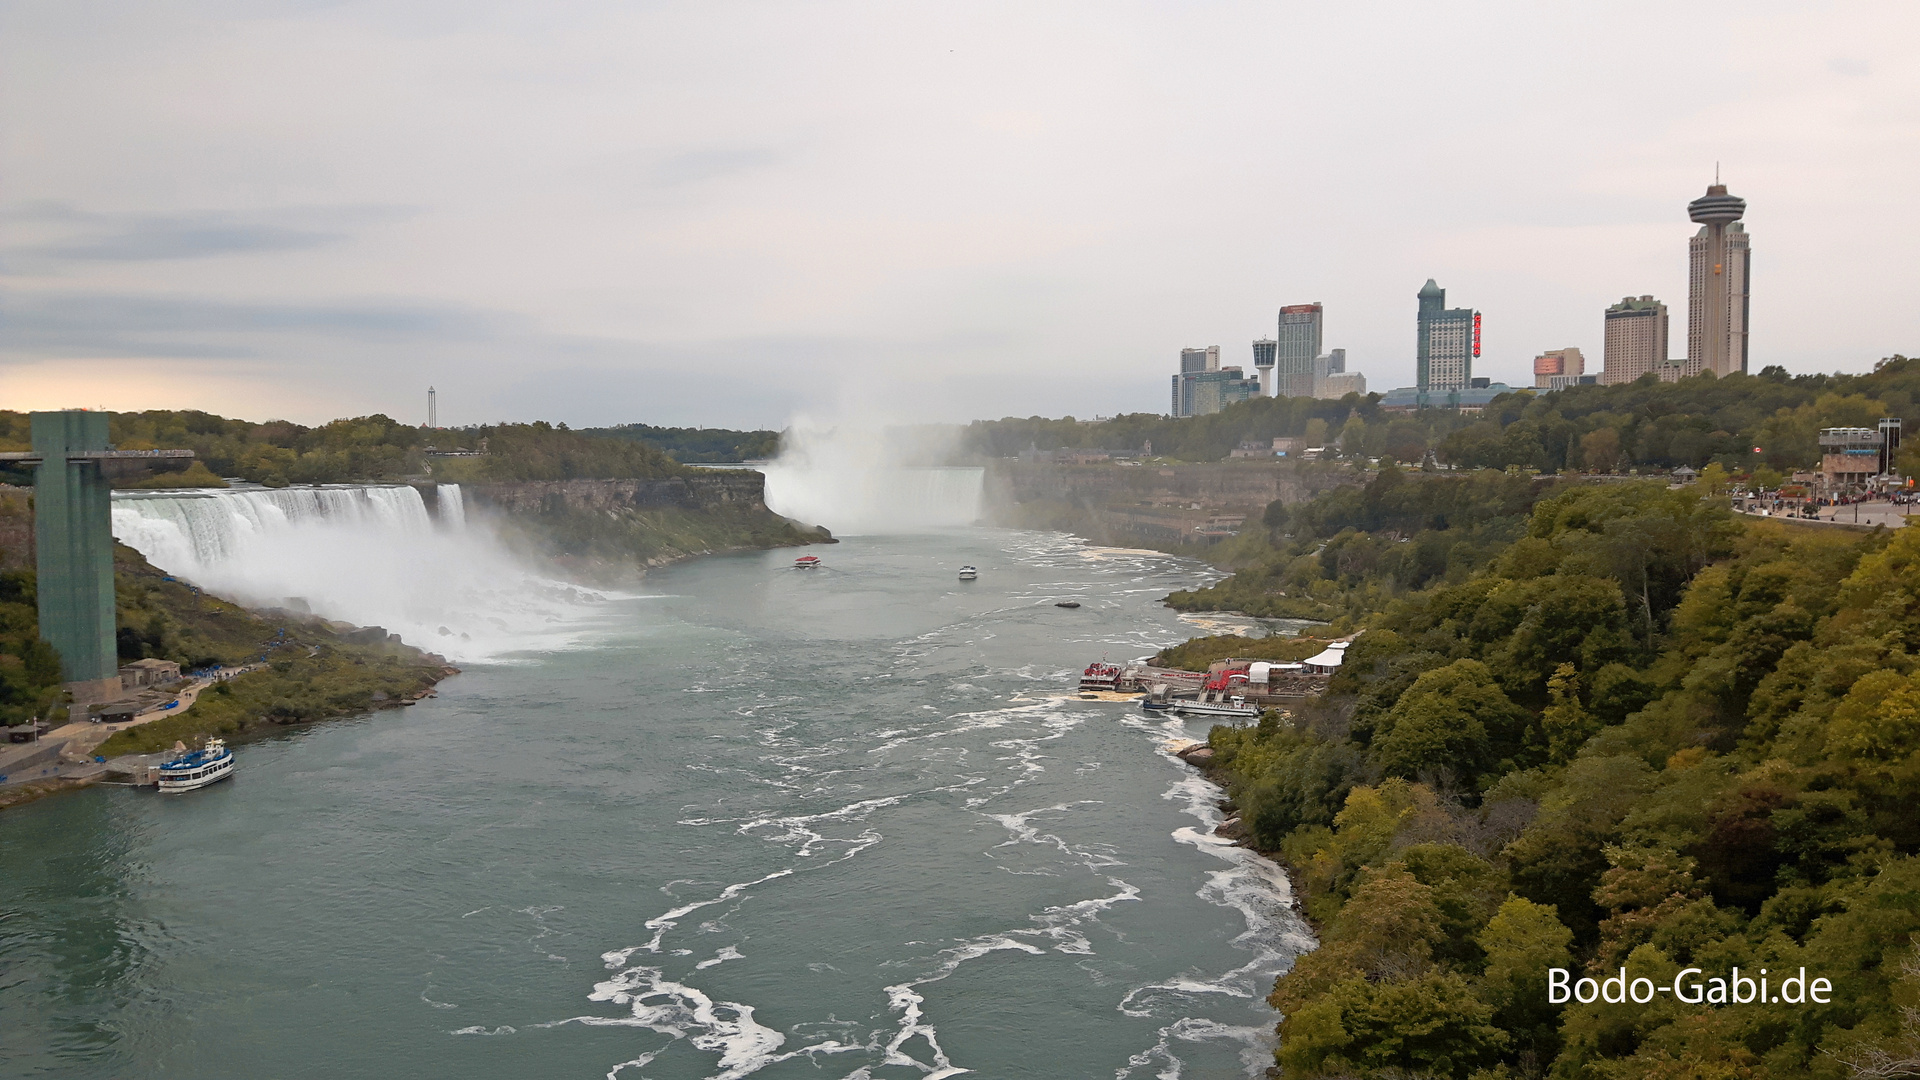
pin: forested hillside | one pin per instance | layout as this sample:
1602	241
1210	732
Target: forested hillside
698	444
1647	425
1349	550
312	670
366	448
1641	733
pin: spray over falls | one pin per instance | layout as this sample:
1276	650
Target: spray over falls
367	554
855	483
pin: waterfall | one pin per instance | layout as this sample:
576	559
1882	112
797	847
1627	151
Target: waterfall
190	532
367	554
453	508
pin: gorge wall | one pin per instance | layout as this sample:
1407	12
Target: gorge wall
607	529
1165	506
716	489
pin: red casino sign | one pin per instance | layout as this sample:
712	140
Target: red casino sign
1476	333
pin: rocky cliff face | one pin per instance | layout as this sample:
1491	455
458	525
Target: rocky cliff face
608	529
733	489
1172	507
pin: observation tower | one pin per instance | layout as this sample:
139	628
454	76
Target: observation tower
1717	300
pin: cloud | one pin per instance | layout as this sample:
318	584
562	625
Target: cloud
700	166
712	212
61	230
83	324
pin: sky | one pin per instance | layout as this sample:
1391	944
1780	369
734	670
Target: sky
732	214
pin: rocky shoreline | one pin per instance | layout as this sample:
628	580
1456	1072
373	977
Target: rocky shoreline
1200	756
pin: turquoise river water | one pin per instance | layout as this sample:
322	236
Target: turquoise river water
761	822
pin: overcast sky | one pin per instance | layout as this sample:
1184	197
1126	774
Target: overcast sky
732	213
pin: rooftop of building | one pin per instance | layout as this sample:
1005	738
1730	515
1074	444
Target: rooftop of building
1636	304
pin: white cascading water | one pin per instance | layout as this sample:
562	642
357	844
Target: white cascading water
453	505
368	555
842	479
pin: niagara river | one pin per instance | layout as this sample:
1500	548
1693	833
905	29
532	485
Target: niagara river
741	821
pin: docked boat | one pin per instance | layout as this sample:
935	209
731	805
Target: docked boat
806	562
1235	708
1100	676
968	573
210	764
1216	698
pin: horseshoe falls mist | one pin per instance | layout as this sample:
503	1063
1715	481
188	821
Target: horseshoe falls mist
748	821
848	479
367	554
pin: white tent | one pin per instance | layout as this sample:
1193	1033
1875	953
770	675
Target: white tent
1328	661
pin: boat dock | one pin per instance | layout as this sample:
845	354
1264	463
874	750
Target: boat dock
1260	682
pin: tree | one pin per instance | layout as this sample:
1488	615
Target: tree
1523	941
1454	719
1433	1025
1566	725
1600	449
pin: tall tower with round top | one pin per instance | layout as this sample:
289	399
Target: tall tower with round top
1718	296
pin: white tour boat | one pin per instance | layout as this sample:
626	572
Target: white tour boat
1218	699
207	765
1234	707
968	573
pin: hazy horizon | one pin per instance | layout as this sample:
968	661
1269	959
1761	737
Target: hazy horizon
727	215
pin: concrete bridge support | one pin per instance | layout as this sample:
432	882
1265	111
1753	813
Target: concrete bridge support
73	541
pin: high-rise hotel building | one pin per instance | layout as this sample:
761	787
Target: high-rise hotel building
1207	359
1204	387
1449	339
1298	343
1636	341
1566	365
1719	260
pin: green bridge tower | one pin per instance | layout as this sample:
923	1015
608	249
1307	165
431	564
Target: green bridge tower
73	542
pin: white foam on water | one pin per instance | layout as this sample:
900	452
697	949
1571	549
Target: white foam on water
660	924
1056	929
366	554
683	1012
725	954
1275	934
1025	832
679	1011
1256	1055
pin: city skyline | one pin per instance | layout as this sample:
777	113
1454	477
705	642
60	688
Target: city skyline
582	214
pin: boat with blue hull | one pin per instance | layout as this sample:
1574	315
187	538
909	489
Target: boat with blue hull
210	764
